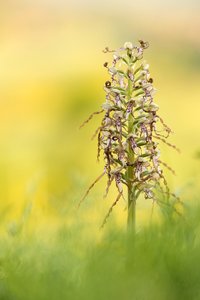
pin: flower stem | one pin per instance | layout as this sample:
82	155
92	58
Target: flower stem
131	220
131	191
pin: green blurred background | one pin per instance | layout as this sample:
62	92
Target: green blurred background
51	79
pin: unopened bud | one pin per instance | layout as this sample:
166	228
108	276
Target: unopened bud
128	45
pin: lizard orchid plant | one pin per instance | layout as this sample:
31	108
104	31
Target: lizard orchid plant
131	130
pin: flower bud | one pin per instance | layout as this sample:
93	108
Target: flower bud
128	45
153	107
107	106
112	70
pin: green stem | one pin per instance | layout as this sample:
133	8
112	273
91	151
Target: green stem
131	192
131	221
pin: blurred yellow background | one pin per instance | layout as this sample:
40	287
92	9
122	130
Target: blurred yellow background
51	79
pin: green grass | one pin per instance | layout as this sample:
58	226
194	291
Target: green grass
160	262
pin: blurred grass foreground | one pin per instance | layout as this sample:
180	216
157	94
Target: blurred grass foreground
160	262
51	79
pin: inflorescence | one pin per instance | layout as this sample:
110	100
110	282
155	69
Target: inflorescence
131	128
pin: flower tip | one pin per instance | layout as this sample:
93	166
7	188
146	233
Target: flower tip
128	45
